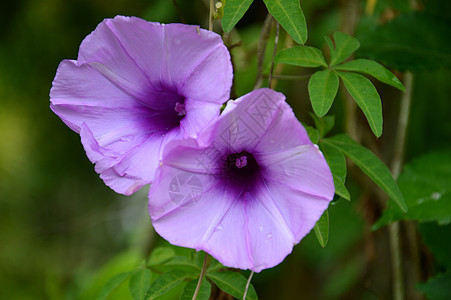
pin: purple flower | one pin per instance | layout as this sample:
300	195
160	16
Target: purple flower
137	85
248	189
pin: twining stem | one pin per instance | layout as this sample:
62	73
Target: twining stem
202	273
261	50
398	157
210	18
247	285
276	42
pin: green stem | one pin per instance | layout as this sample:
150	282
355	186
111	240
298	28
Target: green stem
202	273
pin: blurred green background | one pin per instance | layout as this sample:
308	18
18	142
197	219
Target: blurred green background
63	233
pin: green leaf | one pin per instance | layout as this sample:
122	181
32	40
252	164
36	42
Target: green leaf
337	163
433	236
372	68
215	266
335	159
234	10
322	88
182	261
313	134
367	98
345	45
233	283
322	229
324	124
139	283
160	255
370	164
437	288
426	185
303	56
113	283
332	51
340	188
165	283
289	14
190	288
423	45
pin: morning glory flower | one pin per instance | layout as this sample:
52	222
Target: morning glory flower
137	85
248	189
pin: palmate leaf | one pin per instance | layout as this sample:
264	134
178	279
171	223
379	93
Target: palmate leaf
372	68
234	10
190	288
303	56
426	184
322	88
322	229
367	98
233	283
165	282
289	14
139	283
345	45
370	164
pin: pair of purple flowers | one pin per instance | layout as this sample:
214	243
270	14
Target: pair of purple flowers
244	186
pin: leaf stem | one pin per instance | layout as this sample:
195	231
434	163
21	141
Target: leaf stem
202	273
276	42
247	285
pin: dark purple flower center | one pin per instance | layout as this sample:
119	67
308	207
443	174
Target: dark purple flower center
180	108
241	167
167	106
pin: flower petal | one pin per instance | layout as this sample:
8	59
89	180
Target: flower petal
199	115
82	85
126	166
185	50
245	121
103	51
300	211
178	200
302	168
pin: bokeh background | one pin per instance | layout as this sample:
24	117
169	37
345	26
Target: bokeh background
63	233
